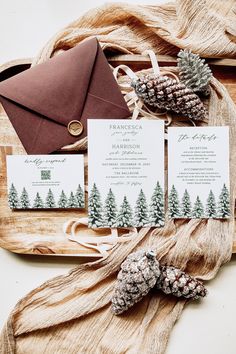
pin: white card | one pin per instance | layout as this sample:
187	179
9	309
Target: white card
126	173
198	172
45	181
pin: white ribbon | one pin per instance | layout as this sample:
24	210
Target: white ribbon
127	70
154	62
102	244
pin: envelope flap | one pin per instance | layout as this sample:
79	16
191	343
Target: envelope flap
103	84
56	89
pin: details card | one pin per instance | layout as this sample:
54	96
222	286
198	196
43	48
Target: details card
45	181
198	172
126	173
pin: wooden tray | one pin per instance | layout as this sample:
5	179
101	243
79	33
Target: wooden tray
41	232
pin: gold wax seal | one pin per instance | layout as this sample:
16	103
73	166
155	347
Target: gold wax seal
75	127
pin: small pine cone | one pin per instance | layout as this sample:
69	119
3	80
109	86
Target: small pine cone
166	93
138	274
194	72
176	282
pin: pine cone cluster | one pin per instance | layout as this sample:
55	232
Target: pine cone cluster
138	274
176	282
141	272
194	72
166	93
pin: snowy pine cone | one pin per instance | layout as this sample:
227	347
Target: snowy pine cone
194	72
166	93
176	282
141	272
138	274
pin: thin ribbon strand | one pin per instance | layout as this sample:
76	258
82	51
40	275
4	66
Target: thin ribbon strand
101	244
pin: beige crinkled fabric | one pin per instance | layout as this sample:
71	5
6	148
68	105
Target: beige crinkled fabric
70	313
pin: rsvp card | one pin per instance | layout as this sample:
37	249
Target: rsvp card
45	181
126	173
198	172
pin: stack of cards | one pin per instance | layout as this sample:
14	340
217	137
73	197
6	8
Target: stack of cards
126	175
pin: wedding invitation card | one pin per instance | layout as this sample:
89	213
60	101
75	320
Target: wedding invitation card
45	181
126	173
198	172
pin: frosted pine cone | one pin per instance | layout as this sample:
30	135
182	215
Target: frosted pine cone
176	282
138	274
194	72
166	93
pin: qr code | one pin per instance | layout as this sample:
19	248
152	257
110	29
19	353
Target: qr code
45	175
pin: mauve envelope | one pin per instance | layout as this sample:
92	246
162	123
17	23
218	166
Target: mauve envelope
75	85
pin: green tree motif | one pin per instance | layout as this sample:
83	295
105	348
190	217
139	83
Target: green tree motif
50	201
24	200
125	215
38	202
62	202
13	198
157	212
224	203
95	218
211	205
198	209
110	210
141	210
72	203
173	204
186	207
79	196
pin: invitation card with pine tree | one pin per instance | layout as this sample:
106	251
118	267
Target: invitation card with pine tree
198	172
45	181
126	174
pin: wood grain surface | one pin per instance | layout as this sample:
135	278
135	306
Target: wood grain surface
41	232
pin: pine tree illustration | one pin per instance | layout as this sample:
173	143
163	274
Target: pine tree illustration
173	204
50	201
38	202
211	205
62	202
198	210
141	210
24	200
72	203
157	213
13	198
224	203
186	205
125	215
79	196
95	217
110	210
